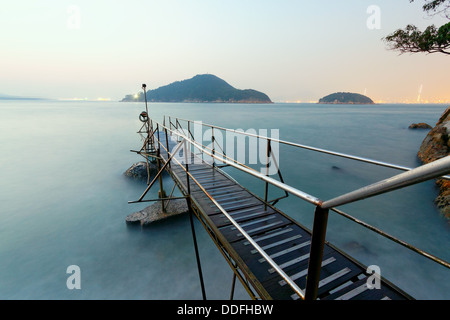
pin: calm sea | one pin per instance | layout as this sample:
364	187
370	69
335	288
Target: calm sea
63	197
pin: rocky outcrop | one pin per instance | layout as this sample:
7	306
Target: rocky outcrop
436	145
345	98
154	212
420	125
139	170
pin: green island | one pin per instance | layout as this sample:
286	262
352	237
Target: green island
345	98
201	88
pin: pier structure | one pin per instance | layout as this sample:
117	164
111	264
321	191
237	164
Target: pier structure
273	255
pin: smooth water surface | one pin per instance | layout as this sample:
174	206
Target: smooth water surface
63	197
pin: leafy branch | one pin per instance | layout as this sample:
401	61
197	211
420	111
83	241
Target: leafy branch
431	40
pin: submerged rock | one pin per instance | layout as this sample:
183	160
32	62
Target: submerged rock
420	125
154	212
139	170
436	145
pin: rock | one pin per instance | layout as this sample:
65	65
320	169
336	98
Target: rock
436	145
443	199
139	170
154	212
420	125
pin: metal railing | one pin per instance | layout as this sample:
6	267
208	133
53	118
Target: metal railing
302	146
436	169
412	176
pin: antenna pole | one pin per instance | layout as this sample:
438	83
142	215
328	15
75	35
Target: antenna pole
145	96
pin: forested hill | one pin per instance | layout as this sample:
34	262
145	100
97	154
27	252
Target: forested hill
201	88
346	98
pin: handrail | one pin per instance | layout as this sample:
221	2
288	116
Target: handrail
298	145
388	236
412	176
413	173
428	171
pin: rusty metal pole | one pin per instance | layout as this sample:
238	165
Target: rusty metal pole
167	145
316	253
161	192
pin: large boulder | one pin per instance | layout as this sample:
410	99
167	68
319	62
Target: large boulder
436	145
139	170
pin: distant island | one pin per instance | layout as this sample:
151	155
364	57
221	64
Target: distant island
201	88
346	98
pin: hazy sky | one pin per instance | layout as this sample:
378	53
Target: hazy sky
293	50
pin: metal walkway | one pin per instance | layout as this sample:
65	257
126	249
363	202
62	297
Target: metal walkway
287	242
272	255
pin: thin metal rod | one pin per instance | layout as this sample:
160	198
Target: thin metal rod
145	97
316	253
392	238
170	196
233	282
197	256
266	189
159	173
167	141
189	204
428	171
213	149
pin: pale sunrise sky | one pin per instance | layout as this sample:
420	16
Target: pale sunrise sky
292	50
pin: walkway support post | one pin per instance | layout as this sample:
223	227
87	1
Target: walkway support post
316	253
191	219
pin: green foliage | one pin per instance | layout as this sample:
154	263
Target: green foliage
431	40
346	98
413	40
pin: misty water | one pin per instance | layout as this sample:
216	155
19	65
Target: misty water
64	198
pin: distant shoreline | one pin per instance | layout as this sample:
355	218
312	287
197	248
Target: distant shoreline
23	98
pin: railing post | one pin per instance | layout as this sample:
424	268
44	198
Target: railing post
213	149
162	193
266	193
167	146
316	253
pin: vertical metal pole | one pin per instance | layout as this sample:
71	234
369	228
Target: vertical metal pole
266	193
188	200
147	140
145	97
146	110
162	194
316	253
167	146
213	149
189	136
232	286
